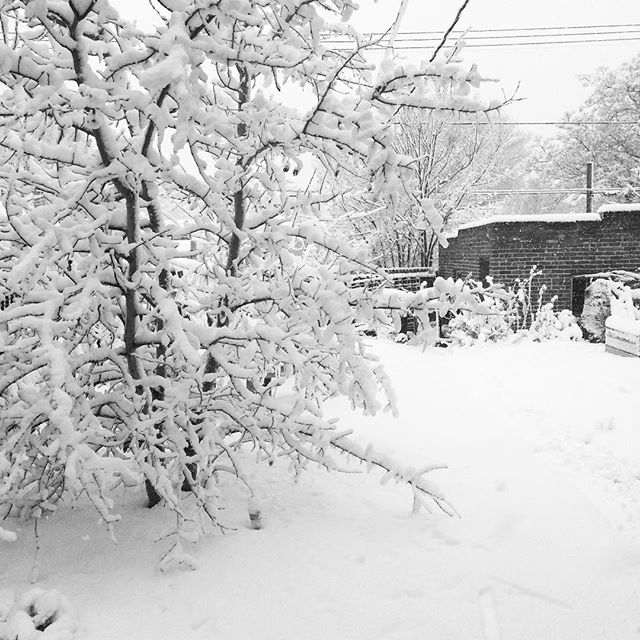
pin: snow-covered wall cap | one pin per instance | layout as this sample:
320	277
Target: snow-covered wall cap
544	217
634	207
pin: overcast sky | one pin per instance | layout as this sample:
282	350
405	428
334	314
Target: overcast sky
546	75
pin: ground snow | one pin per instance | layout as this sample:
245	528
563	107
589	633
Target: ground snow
542	444
36	615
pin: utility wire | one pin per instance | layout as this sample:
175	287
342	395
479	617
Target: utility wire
501	30
470	123
541	191
419	38
401	47
528	36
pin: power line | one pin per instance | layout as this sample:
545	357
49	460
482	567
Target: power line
525	44
503	29
547	191
466	123
421	38
522	35
375	47
502	37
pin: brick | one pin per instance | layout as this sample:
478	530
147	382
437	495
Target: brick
560	249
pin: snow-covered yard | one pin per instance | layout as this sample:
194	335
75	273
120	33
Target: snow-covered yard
542	442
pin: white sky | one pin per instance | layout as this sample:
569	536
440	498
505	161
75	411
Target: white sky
547	75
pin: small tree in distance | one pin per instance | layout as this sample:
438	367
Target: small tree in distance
453	155
134	349
614	149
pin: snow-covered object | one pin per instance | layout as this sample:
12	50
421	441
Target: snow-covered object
623	333
569	327
550	325
622	303
37	615
468	328
597	308
626	324
606	298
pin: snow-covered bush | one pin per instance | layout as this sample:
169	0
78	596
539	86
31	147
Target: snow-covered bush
524	306
549	324
120	148
36	615
469	327
597	308
515	316
460	298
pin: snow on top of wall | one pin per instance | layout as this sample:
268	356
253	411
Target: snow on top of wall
550	217
612	208
547	217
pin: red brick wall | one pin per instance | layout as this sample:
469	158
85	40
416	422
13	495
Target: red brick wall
559	249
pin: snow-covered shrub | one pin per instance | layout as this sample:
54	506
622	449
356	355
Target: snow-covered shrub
549	324
597	308
524	306
514	316
469	327
445	297
121	147
37	615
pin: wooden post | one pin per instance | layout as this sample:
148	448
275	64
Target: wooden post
589	191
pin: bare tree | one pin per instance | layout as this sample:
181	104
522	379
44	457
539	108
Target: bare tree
452	157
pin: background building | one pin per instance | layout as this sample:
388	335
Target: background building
565	247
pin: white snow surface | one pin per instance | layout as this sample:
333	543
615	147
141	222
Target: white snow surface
542	444
612	208
543	217
549	217
628	325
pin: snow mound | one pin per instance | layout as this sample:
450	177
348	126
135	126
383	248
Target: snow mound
36	615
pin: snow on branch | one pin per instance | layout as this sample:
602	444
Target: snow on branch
170	294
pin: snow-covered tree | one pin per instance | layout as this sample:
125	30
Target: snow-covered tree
454	155
613	148
168	297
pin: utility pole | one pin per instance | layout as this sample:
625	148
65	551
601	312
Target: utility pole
589	191
424	249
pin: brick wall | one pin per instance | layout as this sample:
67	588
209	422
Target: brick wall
560	249
463	254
